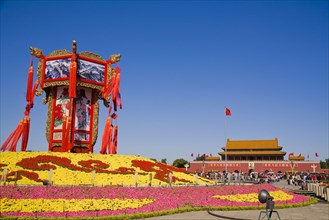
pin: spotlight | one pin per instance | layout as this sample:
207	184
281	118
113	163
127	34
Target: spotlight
264	197
45	182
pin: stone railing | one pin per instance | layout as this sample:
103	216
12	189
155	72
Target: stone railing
320	190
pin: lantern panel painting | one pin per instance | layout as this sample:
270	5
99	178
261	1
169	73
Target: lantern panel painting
90	71
82	112
81	115
80	136
62	106
57	69
57	136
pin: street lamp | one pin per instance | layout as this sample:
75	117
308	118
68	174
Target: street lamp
292	166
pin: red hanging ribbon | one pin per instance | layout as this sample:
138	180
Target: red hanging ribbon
16	137
36	84
114	144
67	144
73	78
105	136
64	143
25	134
29	82
109	88
116	87
109	141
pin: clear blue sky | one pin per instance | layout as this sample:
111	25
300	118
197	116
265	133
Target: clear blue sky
182	62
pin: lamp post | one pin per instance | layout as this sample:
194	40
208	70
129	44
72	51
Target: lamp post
186	166
292	166
203	166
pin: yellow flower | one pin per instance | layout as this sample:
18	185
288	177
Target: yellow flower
60	205
63	175
278	195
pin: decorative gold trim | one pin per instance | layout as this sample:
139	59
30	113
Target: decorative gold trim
95	120
56	144
36	52
59	53
39	71
91	55
56	83
50	110
38	92
66	83
90	85
115	58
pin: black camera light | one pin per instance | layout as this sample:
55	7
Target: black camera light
264	197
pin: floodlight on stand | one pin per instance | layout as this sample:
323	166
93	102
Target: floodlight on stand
264	197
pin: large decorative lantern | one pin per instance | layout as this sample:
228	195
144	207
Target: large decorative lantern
74	83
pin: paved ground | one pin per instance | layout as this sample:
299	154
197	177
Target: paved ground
319	211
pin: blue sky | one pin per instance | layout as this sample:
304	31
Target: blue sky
182	62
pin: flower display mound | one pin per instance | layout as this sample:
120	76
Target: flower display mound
135	202
90	169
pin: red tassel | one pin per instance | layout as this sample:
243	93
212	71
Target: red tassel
24	135
109	140
105	136
11	141
27	109
116	87
118	100
64	134
29	82
109	87
67	135
27	132
73	79
36	84
115	140
16	137
6	144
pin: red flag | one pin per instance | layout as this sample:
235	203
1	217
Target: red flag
299	155
316	154
291	154
198	155
211	155
227	112
192	154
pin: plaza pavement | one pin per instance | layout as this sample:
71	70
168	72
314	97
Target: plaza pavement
319	211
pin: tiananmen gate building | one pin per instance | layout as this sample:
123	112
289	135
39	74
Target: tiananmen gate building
254	156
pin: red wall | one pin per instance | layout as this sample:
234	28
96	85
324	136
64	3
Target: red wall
258	166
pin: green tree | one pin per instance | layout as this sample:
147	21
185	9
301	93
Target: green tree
324	164
179	163
201	158
164	160
155	160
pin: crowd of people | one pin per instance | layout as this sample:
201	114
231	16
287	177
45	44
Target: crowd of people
297	178
300	178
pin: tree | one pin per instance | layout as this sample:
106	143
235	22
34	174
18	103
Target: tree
201	158
155	160
179	163
324	164
164	160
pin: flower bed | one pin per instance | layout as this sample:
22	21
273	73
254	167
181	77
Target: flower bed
90	169
70	197
84	201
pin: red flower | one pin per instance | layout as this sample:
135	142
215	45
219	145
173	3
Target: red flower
58	112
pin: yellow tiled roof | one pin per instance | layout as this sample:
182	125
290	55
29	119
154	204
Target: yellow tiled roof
253	153
253	144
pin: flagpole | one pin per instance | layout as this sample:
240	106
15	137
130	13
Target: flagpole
225	137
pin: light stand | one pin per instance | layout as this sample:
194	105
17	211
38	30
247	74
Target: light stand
264	197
